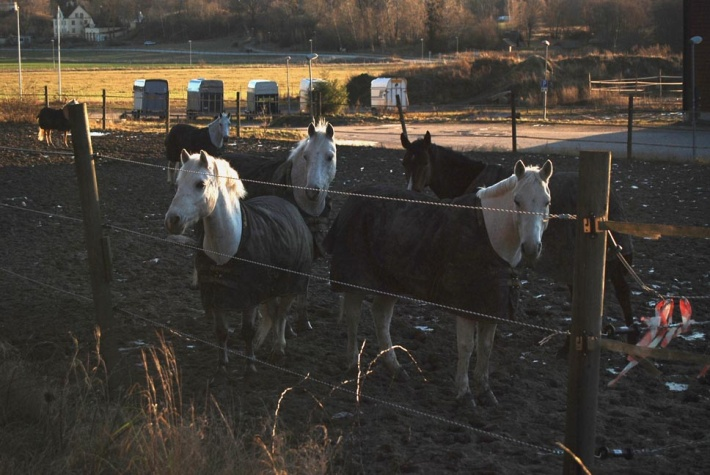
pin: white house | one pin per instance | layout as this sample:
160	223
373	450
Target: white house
73	21
76	22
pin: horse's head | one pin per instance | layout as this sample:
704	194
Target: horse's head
516	212
224	121
417	161
314	162
200	181
531	201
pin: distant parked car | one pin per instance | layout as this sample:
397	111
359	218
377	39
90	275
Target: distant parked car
149	43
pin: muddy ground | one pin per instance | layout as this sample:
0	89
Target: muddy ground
414	426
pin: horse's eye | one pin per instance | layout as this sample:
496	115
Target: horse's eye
330	157
200	185
517	203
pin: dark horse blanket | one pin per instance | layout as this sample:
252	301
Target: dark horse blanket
274	237
262	176
433	253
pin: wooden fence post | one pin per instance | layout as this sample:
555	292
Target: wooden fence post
401	115
587	308
630	128
103	109
514	122
239	116
46	96
97	244
167	112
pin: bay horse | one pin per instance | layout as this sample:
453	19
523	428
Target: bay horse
302	178
450	174
453	256
211	139
256	254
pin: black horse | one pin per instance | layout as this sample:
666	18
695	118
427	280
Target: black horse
450	174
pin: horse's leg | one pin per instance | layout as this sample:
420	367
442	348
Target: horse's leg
268	311
278	350
302	323
221	333
248	331
382	308
66	134
350	305
465	334
484	347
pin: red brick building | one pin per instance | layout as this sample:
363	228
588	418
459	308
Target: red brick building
696	22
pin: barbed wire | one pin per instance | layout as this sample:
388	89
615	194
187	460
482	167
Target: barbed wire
361	195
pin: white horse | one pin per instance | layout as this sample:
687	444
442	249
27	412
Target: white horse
255	252
446	255
309	169
181	137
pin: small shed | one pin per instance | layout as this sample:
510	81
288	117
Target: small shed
150	97
204	97
304	93
262	97
384	92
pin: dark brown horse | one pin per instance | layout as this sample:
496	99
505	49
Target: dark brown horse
450	174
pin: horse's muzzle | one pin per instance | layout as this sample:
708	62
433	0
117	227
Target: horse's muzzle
174	224
313	193
531	252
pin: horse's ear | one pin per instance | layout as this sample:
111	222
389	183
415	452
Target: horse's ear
329	131
519	169
427	139
184	156
311	129
405	141
546	171
205	159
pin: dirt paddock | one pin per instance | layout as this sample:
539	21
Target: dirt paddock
399	427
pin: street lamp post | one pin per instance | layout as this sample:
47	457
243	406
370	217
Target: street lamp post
422	41
190	43
310	41
54	65
19	48
311	57
545	84
695	40
288	86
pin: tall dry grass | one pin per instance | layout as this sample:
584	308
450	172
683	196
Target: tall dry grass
152	430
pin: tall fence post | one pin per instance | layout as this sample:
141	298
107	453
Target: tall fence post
103	109
239	116
630	129
97	243
587	308
46	96
514	122
167	112
401	115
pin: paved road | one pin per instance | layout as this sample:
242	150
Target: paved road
661	143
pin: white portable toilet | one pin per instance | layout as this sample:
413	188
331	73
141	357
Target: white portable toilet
384	92
304	93
262	97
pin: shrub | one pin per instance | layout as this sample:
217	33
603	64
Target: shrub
333	97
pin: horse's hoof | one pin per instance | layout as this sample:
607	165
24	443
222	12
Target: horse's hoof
277	358
466	401
487	399
303	326
400	375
